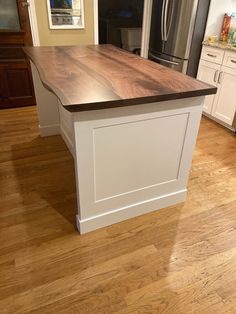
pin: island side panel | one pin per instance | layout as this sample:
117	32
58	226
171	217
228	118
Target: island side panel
47	106
133	160
67	127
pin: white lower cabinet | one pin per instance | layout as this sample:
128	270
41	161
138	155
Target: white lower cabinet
224	105
221	106
208	72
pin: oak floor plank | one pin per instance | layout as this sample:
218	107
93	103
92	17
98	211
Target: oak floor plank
177	260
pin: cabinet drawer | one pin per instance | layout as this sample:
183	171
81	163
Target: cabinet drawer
230	59
212	54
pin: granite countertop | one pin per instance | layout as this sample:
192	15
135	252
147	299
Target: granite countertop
102	76
220	44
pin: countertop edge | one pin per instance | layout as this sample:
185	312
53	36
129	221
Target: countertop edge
139	101
118	102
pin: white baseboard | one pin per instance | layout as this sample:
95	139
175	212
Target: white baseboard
49	130
230	127
124	213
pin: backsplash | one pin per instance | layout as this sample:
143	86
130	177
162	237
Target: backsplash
216	15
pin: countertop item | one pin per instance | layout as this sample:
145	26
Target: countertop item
220	44
103	76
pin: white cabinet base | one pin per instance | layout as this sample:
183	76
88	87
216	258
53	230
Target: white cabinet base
127	212
133	160
128	161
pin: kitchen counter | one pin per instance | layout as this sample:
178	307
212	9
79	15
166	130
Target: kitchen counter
220	45
130	124
116	78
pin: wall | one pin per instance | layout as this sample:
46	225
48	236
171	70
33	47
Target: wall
215	17
50	37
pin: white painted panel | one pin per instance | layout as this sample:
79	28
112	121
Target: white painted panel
225	105
211	54
66	121
137	154
47	106
208	72
230	59
67	127
149	185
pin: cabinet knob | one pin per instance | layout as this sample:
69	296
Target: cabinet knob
25	4
216	75
211	55
234	61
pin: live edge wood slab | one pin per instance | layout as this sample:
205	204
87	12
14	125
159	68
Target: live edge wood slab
103	76
130	124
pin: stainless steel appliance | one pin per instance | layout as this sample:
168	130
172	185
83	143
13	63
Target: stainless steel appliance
177	31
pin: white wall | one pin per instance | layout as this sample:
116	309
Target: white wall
216	13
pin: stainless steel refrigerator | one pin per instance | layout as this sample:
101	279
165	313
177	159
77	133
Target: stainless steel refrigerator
176	34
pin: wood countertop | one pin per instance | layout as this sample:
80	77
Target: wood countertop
103	76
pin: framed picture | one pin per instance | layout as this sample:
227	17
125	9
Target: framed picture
65	14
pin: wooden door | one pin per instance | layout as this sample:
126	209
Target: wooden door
16	86
208	72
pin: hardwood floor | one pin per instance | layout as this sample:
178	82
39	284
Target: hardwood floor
177	260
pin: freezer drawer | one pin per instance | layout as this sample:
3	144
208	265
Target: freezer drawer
169	61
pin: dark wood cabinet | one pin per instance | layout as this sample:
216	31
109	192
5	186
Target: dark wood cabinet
16	86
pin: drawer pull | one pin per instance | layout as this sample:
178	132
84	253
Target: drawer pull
234	61
220	77
215	76
211	55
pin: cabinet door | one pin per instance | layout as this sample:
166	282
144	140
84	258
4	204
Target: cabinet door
225	104
16	85
16	88
208	72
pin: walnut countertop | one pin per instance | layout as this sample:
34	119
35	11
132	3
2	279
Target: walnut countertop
103	76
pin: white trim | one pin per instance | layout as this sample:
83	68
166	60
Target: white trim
127	212
146	27
49	130
191	29
33	22
230	127
96	33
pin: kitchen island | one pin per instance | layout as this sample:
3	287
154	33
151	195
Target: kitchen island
130	124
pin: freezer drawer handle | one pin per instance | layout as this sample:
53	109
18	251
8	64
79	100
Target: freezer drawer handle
164	60
210	55
233	61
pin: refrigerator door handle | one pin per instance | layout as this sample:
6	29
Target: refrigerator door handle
168	27
163	60
162	20
165	19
